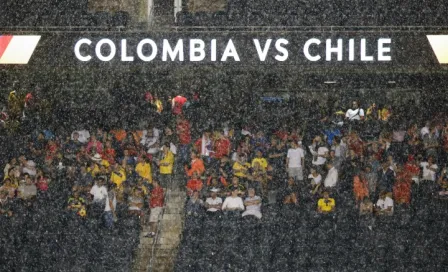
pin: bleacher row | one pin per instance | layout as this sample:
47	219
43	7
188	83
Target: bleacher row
237	13
295	238
57	13
320	13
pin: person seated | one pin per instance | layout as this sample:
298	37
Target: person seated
77	204
136	202
315	181
94	146
233	203
290	192
27	189
241	167
9	187
41	181
326	204
194	184
253	204
5	208
236	185
213	203
360	187
214	182
194	205
385	204
366	207
443	185
197	165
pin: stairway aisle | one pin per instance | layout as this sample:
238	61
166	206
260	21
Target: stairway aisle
171	226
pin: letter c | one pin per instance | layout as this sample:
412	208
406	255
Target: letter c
77	48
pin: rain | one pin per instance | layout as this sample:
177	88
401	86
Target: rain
223	135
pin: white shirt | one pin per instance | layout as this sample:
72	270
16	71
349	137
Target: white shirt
386	203
84	136
254	210
321	151
332	177
99	193
107	208
211	201
295	157
427	173
354	114
424	131
316	180
232	203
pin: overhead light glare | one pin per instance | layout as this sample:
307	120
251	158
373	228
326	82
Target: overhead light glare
329	82
391	82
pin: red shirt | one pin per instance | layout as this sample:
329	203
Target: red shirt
109	155
183	131
156	197
179	102
221	148
194	184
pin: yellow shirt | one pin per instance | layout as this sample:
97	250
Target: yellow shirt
118	179
143	169
326	207
93	170
262	161
169	159
238	169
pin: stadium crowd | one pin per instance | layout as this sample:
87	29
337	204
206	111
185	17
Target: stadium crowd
232	171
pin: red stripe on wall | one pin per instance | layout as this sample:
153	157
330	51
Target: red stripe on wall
4	41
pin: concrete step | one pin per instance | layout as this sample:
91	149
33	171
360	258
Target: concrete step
171	217
173	241
174	210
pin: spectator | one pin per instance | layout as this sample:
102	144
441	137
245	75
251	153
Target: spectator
81	135
384	205
156	206
151	140
194	205
109	153
184	135
143	169
166	165
99	195
213	203
9	187
402	186
233	203
5	204
118	176
320	153
136	202
11	165
42	181
241	167
360	187
236	185
429	170
94	146
355	112
204	146
253	204
197	166
27	189
366	207
385	177
315	181
110	215
260	160
295	160
332	177
221	146
326	204
77	204
216	182
194	184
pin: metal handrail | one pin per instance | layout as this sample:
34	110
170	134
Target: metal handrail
159	229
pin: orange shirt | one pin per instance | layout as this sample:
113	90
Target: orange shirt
360	188
197	165
119	134
194	184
